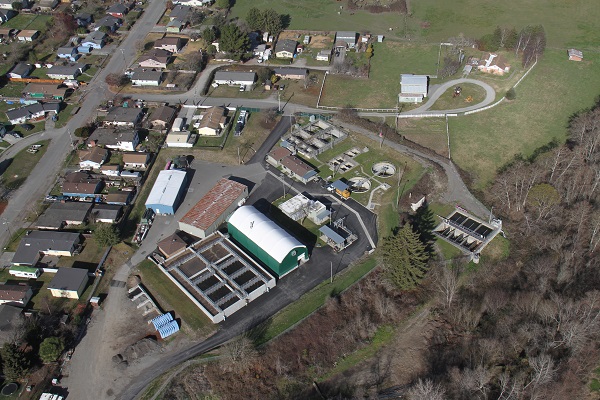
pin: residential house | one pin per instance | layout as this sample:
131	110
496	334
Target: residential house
175	26
136	160
92	158
68	52
69	283
194	3
494	64
275	156
115	139
575	55
21	70
112	23
346	39
171	44
179	139
7	33
110	170
5	15
180	12
82	185
413	88
121	198
285	48
155	58
213	121
106	213
46	5
259	50
235	78
84	19
31	112
71	71
38	243
118	10
45	91
27	35
61	214
162	117
143	77
291	73
123	116
15	295
95	40
24	272
324	55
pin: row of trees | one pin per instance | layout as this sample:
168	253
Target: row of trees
530	42
266	21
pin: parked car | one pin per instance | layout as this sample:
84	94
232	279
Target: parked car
27	127
15	134
242	88
238	129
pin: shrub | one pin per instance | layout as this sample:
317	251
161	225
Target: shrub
511	94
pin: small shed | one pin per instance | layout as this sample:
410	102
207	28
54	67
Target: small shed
575	55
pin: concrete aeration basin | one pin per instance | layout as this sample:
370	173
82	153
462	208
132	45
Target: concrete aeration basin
383	169
360	184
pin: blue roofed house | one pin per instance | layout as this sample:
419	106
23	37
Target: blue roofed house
68	52
95	40
413	88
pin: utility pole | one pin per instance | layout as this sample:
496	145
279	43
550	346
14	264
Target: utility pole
279	101
239	160
331	270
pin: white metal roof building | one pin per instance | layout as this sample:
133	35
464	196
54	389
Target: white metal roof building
413	88
166	194
266	240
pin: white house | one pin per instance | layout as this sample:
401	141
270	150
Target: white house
413	88
95	40
194	3
323	55
179	139
494	64
142	77
111	138
235	78
92	158
110	170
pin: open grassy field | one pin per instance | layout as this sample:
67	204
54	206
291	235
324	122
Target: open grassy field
22	165
381	89
28	21
546	98
435	21
428	132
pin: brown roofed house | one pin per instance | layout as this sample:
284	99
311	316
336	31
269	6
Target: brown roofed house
136	160
15	295
92	158
297	168
170	43
162	117
213	121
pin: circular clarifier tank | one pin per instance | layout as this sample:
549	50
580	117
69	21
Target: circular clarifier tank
360	184
383	169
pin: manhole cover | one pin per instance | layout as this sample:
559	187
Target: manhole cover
9	389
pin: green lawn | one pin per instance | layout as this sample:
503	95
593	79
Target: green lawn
555	89
170	296
448	102
22	165
428	132
12	89
234	91
381	89
65	115
314	299
472	18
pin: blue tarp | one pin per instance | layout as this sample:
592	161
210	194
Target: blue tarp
161	320
169	329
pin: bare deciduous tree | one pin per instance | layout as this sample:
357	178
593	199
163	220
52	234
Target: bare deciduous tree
426	390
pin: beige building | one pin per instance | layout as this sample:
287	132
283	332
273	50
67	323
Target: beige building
213	122
69	283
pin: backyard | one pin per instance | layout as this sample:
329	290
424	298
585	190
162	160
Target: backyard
380	90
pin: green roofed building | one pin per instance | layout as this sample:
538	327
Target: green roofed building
266	241
22	271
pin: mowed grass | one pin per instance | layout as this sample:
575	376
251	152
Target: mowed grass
171	297
22	165
448	102
428	132
555	89
381	89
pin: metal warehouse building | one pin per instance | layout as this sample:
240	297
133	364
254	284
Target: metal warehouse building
266	241
167	192
213	209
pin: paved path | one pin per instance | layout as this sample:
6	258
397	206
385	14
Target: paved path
490	95
456	192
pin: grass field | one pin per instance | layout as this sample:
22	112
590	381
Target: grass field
381	89
28	21
472	18
546	98
447	102
22	165
428	132
170	297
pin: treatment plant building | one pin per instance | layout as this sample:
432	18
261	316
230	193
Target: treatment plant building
214	208
266	241
167	192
